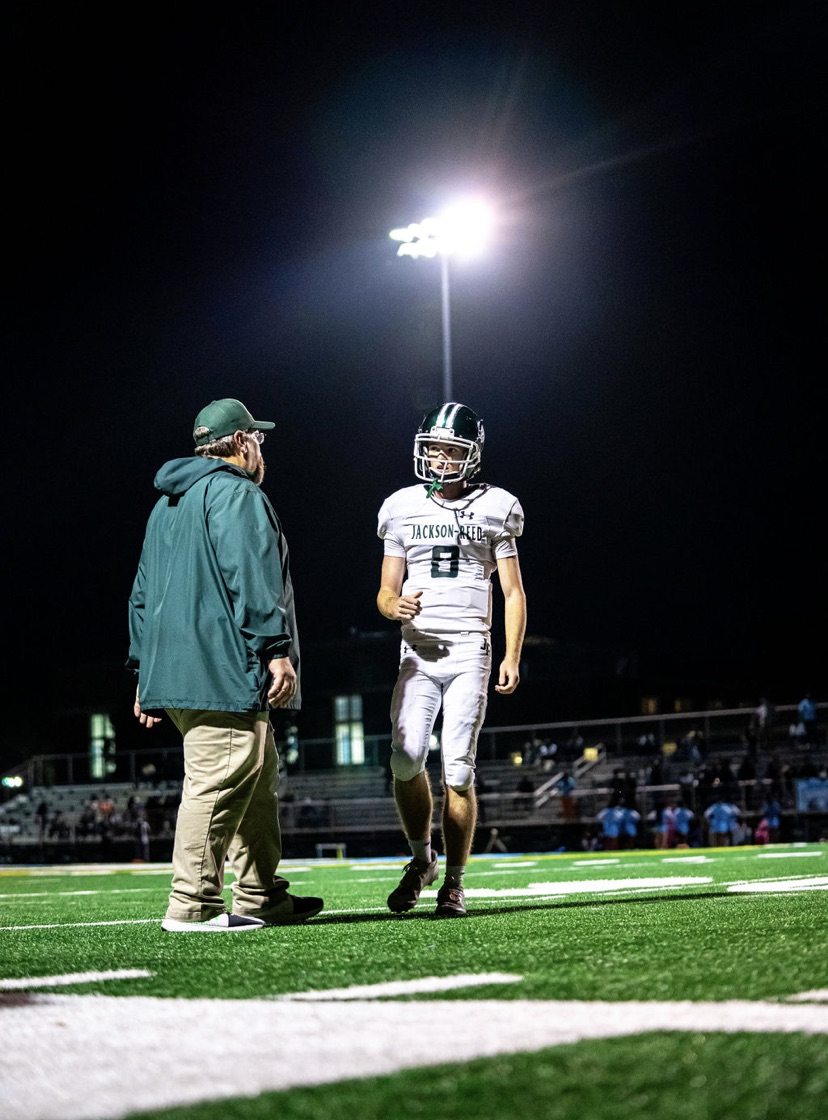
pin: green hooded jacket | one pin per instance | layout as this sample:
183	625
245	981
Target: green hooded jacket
212	601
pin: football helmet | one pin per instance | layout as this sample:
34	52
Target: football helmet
454	424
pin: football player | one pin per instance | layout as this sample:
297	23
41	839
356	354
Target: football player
443	540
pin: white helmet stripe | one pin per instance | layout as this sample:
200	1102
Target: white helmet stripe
446	415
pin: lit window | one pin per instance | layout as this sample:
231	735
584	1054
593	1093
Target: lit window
348	731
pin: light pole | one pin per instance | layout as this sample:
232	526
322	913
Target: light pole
460	229
448	391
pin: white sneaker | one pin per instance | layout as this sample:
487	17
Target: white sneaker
222	923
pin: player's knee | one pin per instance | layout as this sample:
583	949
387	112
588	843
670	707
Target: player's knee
405	766
458	775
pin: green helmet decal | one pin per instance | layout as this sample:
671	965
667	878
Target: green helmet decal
457	427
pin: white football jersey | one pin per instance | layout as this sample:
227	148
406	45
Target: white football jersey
451	550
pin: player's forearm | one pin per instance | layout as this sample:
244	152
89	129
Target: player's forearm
515	623
387	601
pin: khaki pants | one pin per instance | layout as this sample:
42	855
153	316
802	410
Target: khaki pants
229	809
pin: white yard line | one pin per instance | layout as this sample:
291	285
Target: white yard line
788	855
81	925
65	1057
407	987
780	886
25	983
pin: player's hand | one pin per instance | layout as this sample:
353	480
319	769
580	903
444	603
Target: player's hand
142	717
284	684
408	606
508	678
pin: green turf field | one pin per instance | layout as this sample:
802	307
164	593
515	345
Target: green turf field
688	985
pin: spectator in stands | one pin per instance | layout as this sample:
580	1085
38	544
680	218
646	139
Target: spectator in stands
663	818
656	776
610	819
141	829
214	645
565	787
764	721
546	754
772	814
108	817
629	824
531	752
779	774
687	783
575	743
619	783
59	826
683	817
720	817
134	807
797	734
808	714
623	784
87	822
42	814
693	747
647	742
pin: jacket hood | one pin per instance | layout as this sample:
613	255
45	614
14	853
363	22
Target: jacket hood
178	475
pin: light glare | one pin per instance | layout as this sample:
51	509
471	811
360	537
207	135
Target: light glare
460	229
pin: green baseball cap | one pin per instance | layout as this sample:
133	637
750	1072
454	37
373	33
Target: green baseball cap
222	418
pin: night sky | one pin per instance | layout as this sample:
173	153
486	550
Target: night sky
200	199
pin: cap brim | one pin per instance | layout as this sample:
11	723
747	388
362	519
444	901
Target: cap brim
264	424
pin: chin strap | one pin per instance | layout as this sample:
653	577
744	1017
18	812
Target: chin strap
435	485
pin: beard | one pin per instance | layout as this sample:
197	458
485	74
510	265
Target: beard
258	474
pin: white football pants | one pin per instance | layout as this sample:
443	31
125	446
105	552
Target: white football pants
451	671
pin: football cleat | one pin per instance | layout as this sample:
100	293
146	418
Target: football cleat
416	877
451	903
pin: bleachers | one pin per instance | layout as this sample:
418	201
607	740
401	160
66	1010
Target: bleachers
19	820
340	803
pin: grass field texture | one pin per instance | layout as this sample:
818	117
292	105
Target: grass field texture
684	984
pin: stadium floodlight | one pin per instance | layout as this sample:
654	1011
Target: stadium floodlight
460	230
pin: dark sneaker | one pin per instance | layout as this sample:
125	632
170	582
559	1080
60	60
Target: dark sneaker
291	910
222	923
416	877
451	903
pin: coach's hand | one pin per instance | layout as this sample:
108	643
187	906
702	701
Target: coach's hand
284	684
142	717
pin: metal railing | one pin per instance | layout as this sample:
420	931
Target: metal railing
615	737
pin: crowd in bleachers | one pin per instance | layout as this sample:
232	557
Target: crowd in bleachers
660	793
722	798
90	814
